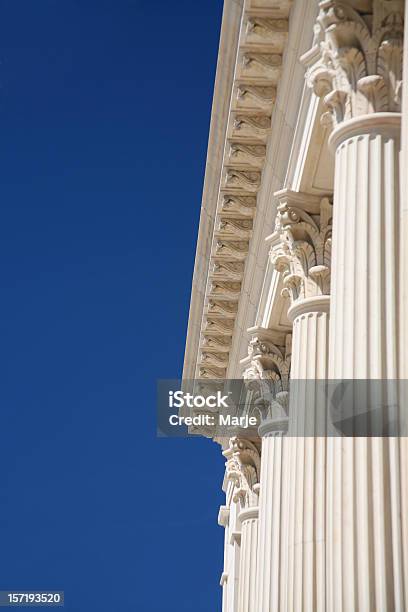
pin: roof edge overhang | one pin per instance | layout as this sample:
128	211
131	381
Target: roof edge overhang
230	28
253	40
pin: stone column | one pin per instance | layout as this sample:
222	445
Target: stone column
304	257
403	331
304	587
267	377
365	539
248	519
243	468
365	248
270	503
356	67
404	218
226	519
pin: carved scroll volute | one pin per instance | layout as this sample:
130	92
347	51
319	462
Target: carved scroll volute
356	62
243	469
303	255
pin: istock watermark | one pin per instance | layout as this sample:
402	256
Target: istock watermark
179	399
208	408
257	407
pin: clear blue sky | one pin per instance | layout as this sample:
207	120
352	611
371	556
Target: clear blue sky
104	116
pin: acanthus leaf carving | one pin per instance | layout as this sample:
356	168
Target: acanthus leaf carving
211	372
230	248
244	205
219	360
237	228
223	307
227	270
259	124
303	254
244	179
246	154
222	327
359	68
228	289
216	343
261	96
270	60
243	468
262	65
267	377
265	26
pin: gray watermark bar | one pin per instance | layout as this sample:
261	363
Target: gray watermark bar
257	407
12	599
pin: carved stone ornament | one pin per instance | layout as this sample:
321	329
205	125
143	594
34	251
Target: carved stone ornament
303	255
237	161
358	69
243	469
267	377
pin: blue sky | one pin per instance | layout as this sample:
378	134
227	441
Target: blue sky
104	115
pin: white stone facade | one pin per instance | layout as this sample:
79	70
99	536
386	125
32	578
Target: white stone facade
302	274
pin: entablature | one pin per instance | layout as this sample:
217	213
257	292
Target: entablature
262	38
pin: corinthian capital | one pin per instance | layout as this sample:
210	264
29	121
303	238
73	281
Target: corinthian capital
243	469
355	64
303	253
267	372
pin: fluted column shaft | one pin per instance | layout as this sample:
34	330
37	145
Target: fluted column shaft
310	350
363	338
248	519
364	559
270	501
302	256
303	564
403	314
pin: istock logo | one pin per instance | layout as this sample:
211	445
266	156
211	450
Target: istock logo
178	399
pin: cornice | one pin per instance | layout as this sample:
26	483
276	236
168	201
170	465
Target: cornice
230	28
255	300
223	244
